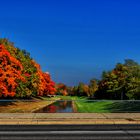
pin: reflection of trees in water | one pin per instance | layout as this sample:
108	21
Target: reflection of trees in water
51	109
64	104
59	106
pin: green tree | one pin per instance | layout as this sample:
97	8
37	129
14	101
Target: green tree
83	89
93	87
122	82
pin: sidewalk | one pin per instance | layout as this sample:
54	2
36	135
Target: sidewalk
69	118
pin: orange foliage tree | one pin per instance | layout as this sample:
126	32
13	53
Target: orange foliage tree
45	85
62	89
20	75
10	73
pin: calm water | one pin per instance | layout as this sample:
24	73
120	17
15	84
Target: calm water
58	107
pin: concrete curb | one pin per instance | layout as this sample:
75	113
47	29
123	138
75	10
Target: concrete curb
69	118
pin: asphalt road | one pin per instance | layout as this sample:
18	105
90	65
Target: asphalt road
69	132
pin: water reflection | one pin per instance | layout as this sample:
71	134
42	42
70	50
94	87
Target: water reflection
58	107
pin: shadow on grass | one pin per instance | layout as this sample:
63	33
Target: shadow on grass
115	106
124	106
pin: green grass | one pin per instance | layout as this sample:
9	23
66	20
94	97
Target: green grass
104	106
90	107
48	98
107	106
73	98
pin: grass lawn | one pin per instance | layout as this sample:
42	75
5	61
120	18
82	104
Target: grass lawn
83	105
104	106
75	98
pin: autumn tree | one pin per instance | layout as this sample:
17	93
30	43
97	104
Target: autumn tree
21	73
10	73
93	87
61	89
122	82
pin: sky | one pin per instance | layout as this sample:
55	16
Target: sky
74	40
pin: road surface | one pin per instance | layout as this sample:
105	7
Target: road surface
70	132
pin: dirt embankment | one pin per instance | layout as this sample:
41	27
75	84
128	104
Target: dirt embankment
74	107
26	106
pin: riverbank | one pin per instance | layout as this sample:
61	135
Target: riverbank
79	105
25	106
85	105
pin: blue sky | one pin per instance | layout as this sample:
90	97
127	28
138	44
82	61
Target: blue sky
75	40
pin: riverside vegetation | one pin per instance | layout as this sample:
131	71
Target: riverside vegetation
22	78
120	83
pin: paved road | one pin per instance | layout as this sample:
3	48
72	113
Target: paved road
69	132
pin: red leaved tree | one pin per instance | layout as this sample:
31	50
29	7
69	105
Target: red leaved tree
46	85
10	73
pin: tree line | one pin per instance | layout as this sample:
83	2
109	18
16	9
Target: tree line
21	76
120	83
